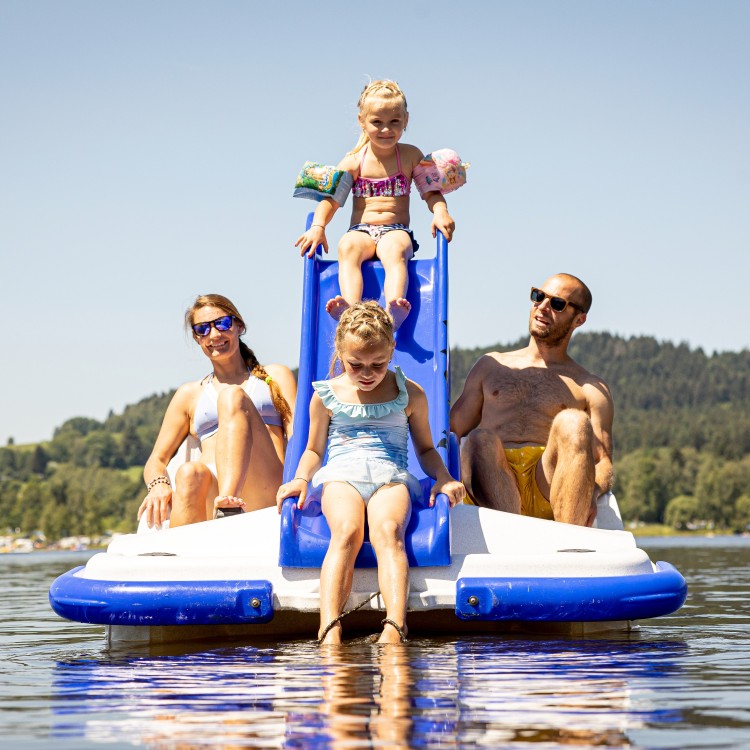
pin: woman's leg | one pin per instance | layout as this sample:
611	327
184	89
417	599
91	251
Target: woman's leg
395	251
344	510
247	464
388	514
354	249
192	484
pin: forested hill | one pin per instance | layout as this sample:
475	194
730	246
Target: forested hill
682	442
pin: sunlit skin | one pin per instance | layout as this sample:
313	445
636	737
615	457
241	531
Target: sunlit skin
383	120
366	379
538	396
248	455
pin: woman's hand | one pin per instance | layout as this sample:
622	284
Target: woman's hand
309	241
156	505
296	488
455	491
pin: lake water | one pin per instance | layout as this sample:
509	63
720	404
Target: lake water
679	682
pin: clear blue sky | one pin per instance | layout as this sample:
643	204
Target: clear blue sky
148	150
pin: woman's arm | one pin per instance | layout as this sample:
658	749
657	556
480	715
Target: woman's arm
429	459
174	429
287	383
312	457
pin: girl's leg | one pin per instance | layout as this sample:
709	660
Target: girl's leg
247	464
192	484
388	514
354	249
344	510
395	251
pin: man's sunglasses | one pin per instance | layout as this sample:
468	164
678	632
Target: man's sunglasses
558	304
224	323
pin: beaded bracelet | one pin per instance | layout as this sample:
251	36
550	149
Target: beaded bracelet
163	479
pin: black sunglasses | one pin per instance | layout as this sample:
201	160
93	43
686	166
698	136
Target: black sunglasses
224	323
558	304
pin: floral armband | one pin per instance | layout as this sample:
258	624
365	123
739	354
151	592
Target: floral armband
441	171
318	181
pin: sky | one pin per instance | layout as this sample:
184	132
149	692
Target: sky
148	151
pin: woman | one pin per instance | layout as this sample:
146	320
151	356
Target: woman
240	414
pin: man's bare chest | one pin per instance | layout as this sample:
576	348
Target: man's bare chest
534	387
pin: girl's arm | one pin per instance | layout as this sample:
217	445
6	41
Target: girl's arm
312	458
174	429
316	234
435	201
429	459
441	219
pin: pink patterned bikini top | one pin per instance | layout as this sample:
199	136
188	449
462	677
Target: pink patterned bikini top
395	186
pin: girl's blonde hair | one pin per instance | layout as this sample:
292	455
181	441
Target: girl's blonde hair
381	89
368	321
256	368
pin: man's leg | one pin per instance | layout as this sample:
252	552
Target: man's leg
565	473
486	474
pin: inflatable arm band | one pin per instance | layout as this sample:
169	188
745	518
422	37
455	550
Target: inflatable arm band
441	171
318	181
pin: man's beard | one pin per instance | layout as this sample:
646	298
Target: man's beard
552	334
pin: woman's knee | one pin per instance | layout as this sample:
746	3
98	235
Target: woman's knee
192	473
234	400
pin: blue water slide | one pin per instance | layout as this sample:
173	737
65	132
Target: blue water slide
423	354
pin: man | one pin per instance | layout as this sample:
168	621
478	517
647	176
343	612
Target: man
538	425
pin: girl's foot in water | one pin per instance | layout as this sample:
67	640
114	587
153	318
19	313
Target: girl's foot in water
336	306
398	310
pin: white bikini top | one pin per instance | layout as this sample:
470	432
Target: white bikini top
206	418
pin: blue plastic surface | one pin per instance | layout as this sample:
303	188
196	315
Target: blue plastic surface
422	352
160	602
632	597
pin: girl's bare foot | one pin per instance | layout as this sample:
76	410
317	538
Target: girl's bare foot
331	635
398	310
392	633
336	306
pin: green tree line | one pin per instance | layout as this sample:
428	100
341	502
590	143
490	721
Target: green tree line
682	444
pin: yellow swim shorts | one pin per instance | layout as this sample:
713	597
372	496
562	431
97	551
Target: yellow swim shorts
522	462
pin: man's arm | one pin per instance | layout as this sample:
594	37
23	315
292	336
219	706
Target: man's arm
602	410
466	413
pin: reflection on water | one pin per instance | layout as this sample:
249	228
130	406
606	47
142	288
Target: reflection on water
679	682
486	691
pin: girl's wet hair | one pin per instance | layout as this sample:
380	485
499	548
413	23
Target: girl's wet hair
256	368
381	89
368	321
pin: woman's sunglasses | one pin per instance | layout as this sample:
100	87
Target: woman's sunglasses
224	323
558	304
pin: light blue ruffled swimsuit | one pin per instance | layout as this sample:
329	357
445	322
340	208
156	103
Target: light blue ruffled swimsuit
367	443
